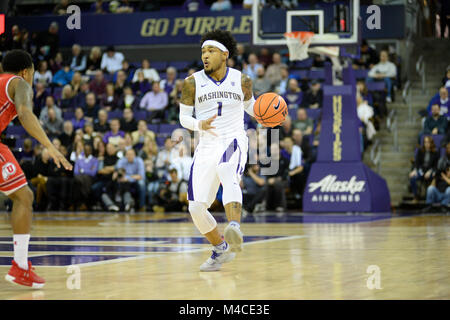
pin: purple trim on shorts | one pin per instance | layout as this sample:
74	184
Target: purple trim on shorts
190	189
229	152
239	161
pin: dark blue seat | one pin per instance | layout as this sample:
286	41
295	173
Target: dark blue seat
180	65
314	113
140	115
317	74
159	65
68	115
115	114
167	129
293	113
160	141
303	64
153	127
17	131
376	86
299	74
361	73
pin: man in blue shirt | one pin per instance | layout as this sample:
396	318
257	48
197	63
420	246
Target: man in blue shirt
130	176
84	173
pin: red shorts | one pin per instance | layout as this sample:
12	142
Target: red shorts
12	177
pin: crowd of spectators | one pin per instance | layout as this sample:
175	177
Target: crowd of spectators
430	173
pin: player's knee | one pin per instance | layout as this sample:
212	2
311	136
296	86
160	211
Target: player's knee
24	196
196	208
202	219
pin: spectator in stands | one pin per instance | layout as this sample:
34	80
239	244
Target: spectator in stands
76	83
115	134
439	191
101	124
368	57
49	104
285	129
241	56
43	167
88	133
94	60
169	83
194	5
148	149
109	100
104	183
261	84
221	5
172	194
47	42
435	124
79	120
303	123
254	190
155	101
67	100
303	143
128	100
52	125
174	102
363	91
446	79
264	57
128	123
183	162
55	64
297	176
130	176
91	107
120	84
252	67
442	100
164	158
39	98
99	7
63	76
425	165
386	71
313	98
247	4
111	60
77	148
78	59
68	134
128	70
275	70
141	134
276	183
142	86
120	7
42	74
98	84
61	8
152	179
365	114
84	173
293	95
149	73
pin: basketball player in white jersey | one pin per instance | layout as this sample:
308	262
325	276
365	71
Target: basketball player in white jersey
219	95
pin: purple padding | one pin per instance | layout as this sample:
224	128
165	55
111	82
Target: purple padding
140	115
437	138
376	86
180	65
313	113
115	114
68	115
159	65
318	74
153	127
15	130
299	74
361	73
303	64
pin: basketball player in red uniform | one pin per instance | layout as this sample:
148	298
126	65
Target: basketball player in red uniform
16	100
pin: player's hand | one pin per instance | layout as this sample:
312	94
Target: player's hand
206	125
59	158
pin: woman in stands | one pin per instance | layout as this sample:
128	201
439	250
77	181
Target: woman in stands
425	164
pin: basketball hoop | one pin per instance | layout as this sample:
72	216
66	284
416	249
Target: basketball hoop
298	44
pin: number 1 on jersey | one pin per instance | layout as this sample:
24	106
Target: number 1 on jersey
219	111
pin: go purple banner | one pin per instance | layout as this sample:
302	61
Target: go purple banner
338	180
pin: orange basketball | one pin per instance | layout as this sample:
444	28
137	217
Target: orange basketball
270	109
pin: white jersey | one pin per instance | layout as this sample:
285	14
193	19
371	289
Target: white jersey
224	98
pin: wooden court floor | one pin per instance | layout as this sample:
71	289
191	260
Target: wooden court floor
157	257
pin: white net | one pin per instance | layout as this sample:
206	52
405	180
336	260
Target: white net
298	44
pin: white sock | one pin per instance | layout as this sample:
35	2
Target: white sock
21	250
222	247
235	223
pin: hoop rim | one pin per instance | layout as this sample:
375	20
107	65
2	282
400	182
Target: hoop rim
301	35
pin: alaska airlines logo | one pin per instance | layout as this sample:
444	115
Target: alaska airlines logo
330	184
8	170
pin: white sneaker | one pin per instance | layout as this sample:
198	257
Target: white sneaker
234	237
113	208
217	258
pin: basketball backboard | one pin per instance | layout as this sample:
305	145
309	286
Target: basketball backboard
334	22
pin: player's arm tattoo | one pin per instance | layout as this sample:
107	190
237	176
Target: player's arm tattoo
23	96
188	91
247	86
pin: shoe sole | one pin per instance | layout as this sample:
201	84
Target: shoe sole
234	239
35	285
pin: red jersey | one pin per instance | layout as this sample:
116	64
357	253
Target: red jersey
7	108
12	177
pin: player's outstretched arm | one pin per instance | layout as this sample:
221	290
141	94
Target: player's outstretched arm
22	95
187	103
247	89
